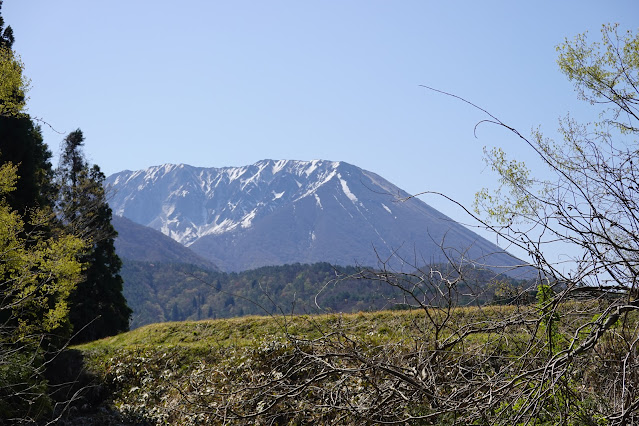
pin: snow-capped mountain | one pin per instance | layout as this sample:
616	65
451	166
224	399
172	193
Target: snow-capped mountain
278	212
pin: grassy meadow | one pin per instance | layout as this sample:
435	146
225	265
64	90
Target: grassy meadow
283	369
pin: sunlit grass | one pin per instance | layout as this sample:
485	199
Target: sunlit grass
246	330
158	370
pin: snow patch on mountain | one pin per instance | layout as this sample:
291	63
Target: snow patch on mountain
311	168
219	228
339	202
279	166
346	189
235	173
314	186
246	220
168	209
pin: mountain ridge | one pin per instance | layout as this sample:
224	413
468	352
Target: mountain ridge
286	211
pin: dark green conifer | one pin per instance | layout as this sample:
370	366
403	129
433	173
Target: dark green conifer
21	144
6	34
98	308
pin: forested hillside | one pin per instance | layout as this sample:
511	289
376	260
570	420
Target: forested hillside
159	292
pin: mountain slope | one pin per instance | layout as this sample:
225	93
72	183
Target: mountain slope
279	212
141	243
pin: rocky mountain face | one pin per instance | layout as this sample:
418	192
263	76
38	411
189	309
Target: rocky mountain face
282	212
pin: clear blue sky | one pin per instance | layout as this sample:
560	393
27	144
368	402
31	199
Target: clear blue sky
212	83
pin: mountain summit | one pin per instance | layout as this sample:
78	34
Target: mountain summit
279	212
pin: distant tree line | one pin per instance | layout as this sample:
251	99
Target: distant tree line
159	292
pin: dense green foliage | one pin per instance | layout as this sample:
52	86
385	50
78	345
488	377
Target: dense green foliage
13	84
21	144
37	273
6	33
20	139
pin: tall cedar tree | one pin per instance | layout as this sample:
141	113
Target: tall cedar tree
98	308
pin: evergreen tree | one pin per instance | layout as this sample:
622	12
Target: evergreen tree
6	34
21	143
98	308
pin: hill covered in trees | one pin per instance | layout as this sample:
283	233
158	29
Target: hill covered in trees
159	292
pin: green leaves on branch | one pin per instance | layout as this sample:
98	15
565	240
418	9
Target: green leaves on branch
605	72
37	272
13	84
513	199
592	165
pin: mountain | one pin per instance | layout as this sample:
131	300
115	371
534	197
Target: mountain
282	212
141	243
